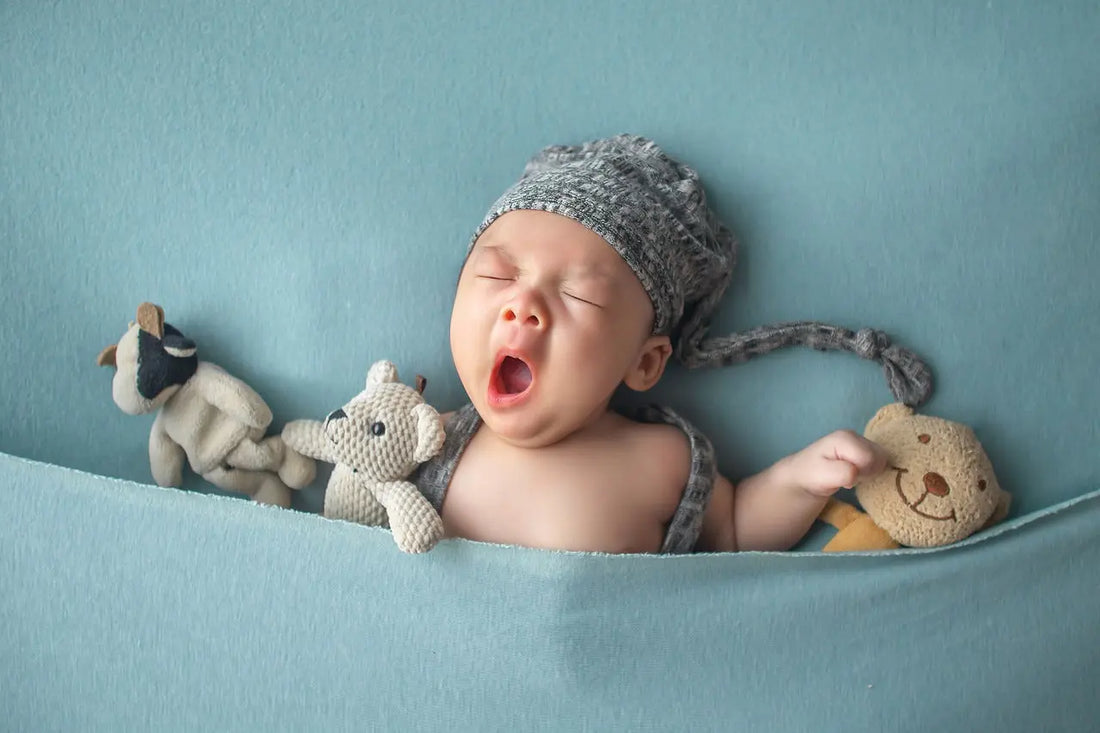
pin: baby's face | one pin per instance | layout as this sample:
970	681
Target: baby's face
547	321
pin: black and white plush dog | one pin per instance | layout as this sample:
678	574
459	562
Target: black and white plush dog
206	416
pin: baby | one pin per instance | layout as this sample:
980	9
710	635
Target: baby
599	265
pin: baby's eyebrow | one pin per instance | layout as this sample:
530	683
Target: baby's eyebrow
495	249
591	272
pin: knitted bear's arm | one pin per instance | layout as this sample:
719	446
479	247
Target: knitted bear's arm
308	438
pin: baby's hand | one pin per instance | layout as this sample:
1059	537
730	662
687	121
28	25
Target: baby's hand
838	460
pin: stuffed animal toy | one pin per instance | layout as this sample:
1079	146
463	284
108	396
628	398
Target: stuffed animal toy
938	488
213	420
375	442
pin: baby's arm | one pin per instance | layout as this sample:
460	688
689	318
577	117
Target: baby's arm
773	510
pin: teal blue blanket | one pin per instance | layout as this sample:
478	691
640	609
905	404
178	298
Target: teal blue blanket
124	606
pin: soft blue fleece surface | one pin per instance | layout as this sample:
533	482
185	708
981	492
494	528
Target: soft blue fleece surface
127	607
295	182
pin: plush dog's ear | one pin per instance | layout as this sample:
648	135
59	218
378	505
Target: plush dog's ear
107	356
151	319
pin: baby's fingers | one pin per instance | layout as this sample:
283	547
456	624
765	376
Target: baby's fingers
866	457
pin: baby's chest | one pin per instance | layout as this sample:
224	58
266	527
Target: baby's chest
604	503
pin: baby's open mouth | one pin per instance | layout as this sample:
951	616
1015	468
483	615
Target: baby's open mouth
512	377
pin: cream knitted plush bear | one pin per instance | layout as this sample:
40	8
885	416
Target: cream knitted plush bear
205	416
375	442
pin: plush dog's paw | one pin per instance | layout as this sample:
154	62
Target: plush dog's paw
297	471
272	491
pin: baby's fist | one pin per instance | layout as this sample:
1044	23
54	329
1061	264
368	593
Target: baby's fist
838	460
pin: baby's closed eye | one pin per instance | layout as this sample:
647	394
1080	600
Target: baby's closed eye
586	298
495	269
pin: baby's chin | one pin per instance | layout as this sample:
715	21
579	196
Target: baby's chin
530	427
524	431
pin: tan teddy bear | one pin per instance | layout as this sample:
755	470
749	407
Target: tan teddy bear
938	488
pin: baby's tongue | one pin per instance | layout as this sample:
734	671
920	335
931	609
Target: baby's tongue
515	376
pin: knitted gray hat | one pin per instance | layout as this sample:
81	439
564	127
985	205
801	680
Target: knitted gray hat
654	212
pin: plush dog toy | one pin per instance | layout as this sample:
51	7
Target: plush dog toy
212	419
938	488
375	442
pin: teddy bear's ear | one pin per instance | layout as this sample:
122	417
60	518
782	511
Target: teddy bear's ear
1000	512
381	372
886	414
429	433
151	319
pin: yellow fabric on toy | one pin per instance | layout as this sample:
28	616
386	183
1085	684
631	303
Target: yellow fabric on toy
938	487
855	530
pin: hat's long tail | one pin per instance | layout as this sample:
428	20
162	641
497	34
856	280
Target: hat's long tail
909	377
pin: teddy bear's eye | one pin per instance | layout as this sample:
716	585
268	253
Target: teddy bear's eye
924	437
378	428
981	484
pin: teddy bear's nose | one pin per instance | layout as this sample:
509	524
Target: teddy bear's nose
337	414
936	484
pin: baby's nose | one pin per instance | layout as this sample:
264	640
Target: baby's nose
526	309
936	484
528	317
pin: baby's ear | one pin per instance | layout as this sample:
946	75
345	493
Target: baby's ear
650	364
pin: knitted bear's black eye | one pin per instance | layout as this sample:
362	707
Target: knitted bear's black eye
378	428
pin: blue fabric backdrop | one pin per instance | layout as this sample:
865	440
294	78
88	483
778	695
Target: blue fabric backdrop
295	182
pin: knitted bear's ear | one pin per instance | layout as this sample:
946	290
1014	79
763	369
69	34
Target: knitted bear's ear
429	433
381	372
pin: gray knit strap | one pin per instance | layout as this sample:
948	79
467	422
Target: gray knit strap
909	377
433	477
687	521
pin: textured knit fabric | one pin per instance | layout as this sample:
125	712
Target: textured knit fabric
434	477
653	211
374	442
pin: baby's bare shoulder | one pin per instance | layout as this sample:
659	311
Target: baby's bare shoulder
660	450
